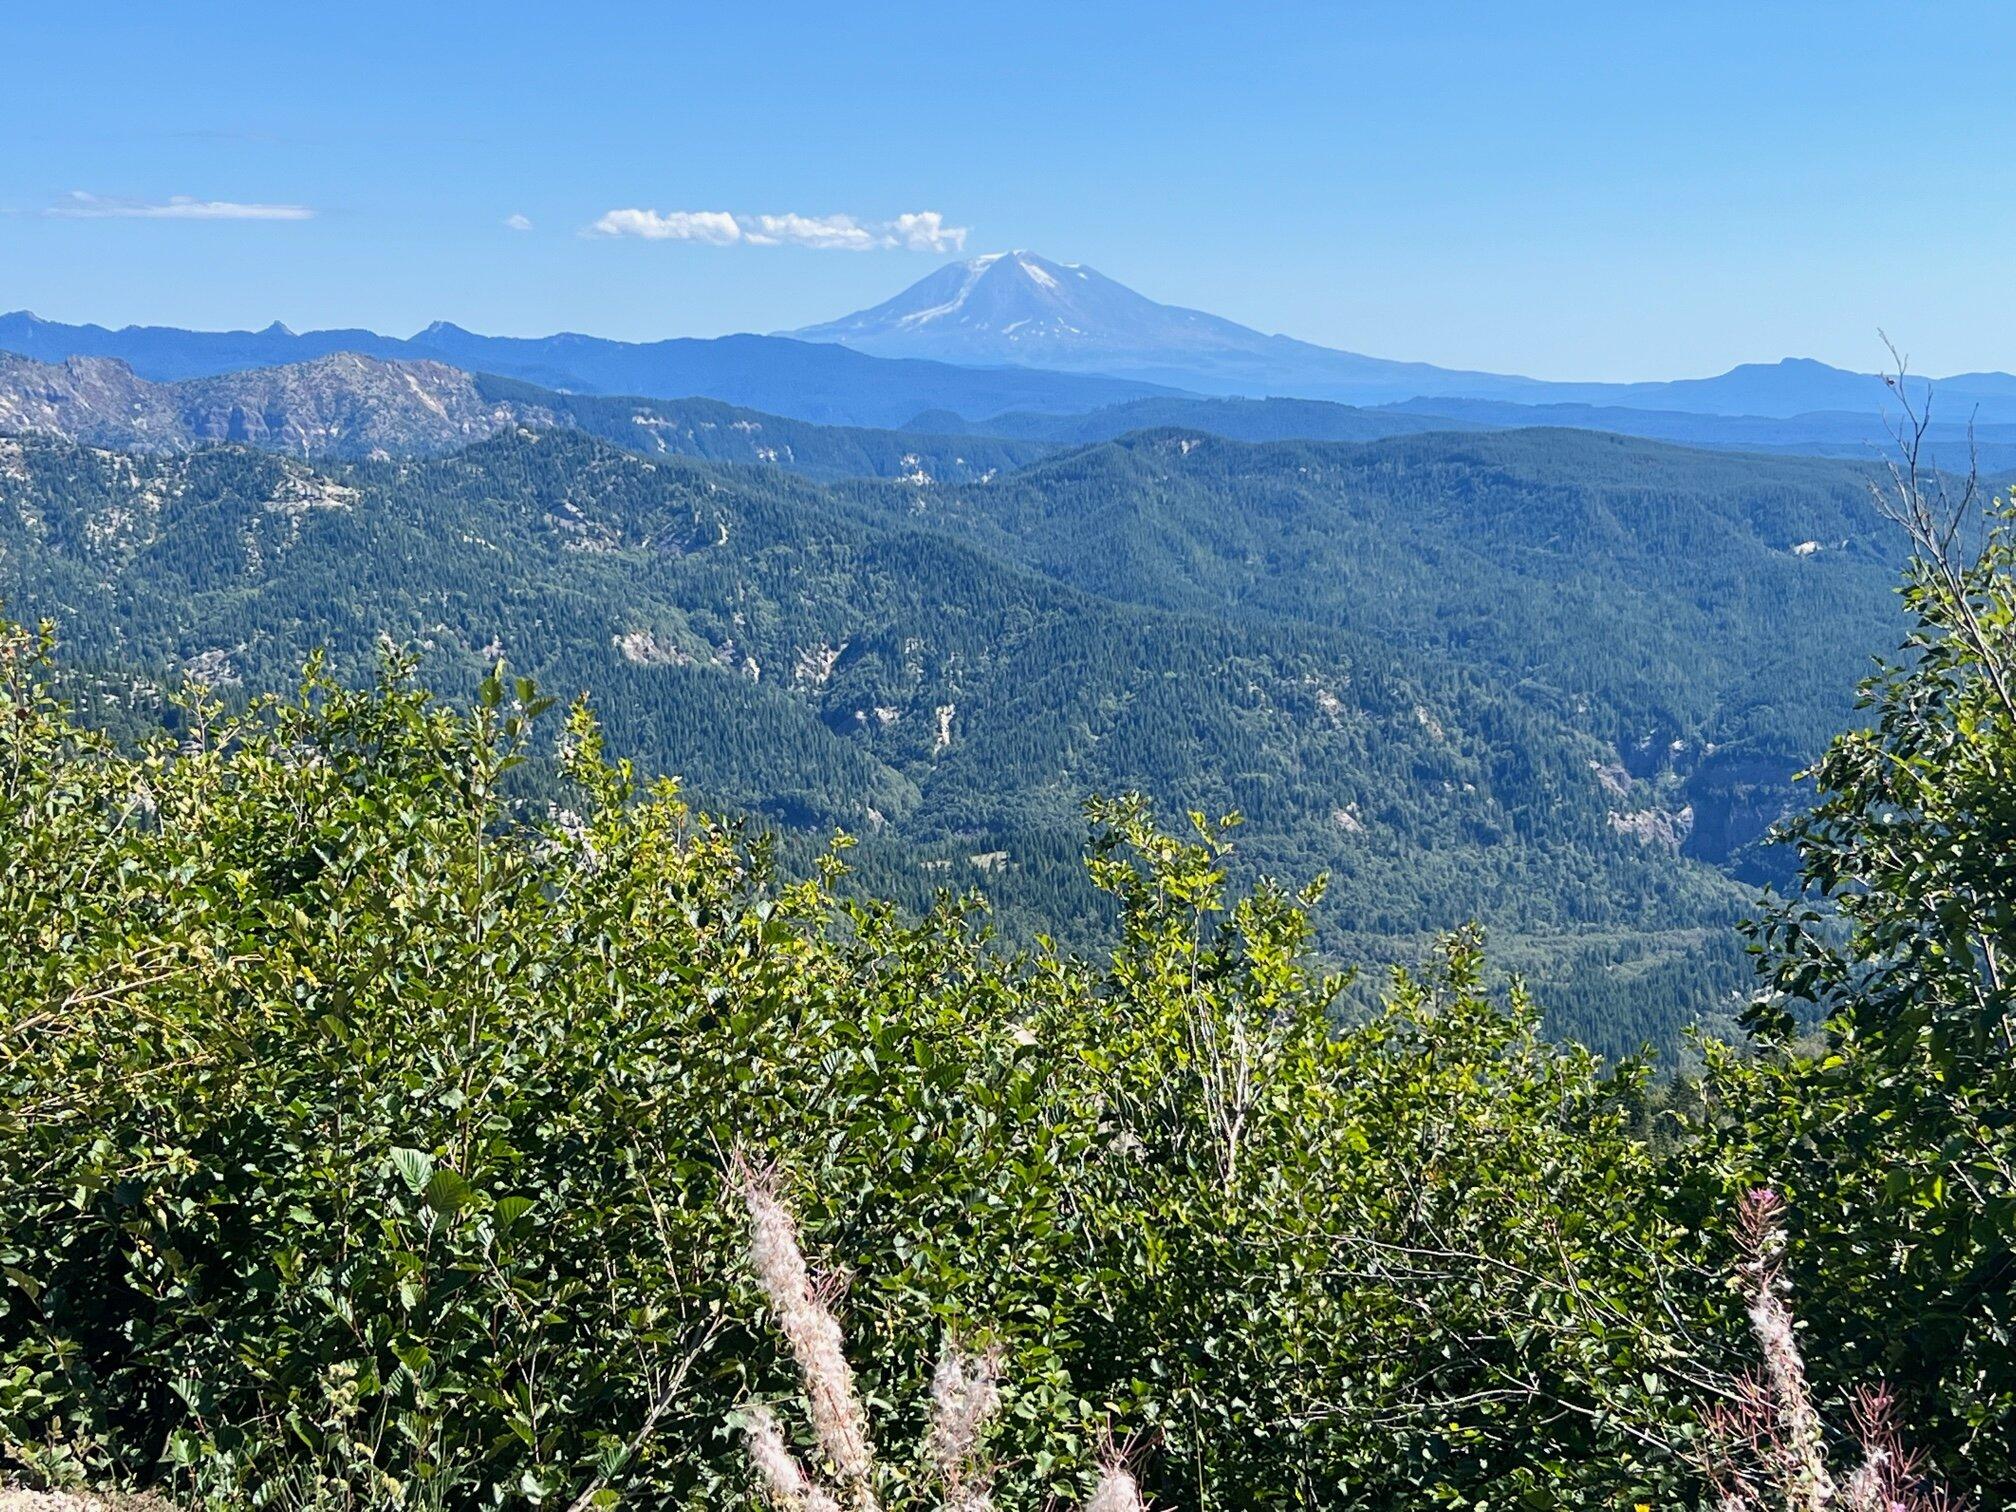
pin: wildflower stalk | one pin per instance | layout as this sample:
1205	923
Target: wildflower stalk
965	1390
1800	1442
784	1479
809	1327
1767	1444
964	1397
1117	1491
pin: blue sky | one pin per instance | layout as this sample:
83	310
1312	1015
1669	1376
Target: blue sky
1625	190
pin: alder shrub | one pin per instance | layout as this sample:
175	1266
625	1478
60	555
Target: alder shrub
362	1130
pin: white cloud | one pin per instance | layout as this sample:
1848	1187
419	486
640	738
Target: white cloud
78	205
717	227
926	231
518	222
922	231
841	232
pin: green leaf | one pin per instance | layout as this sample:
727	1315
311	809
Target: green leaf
414	1357
510	1209
446	1191
416	1166
25	1281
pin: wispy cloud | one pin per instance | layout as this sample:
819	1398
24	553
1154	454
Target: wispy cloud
920	231
78	205
518	222
829	232
716	227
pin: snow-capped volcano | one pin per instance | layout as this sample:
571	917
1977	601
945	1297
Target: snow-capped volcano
1018	309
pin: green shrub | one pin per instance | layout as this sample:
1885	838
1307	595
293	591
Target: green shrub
1883	1099
362	1130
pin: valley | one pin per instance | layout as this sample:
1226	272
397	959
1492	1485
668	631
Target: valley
1549	681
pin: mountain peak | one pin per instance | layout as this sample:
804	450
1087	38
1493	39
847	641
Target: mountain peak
1022	308
1022	264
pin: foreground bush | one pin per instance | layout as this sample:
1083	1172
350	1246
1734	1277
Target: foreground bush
1880	1094
362	1133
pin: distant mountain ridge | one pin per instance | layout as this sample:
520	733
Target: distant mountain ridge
1863	436
1019	308
1013	344
827	384
341	405
1235	419
350	407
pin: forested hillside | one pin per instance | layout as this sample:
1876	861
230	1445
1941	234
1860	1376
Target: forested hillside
1857	435
718	432
1235	419
1564	706
1663	600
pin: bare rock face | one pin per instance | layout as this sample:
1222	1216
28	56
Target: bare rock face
338	406
84	399
1653	826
